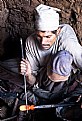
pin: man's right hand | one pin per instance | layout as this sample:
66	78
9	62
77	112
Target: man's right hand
25	67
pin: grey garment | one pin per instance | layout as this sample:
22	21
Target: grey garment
66	40
45	83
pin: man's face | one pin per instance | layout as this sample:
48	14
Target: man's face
46	39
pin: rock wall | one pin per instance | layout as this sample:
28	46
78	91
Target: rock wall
16	20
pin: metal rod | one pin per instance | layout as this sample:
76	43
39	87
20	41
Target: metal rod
24	73
22	47
32	107
54	106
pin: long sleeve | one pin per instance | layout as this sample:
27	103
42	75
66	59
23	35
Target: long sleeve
71	44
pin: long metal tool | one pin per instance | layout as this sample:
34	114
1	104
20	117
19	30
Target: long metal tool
24	73
32	107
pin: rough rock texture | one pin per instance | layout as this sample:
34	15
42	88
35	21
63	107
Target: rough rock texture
16	20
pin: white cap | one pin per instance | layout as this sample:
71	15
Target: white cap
47	18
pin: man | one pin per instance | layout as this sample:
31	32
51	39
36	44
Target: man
49	38
59	87
54	80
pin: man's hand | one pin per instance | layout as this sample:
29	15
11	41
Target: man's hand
25	67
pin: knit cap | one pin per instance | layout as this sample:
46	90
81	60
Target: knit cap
62	63
46	18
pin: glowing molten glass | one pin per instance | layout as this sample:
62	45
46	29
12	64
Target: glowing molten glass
27	107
